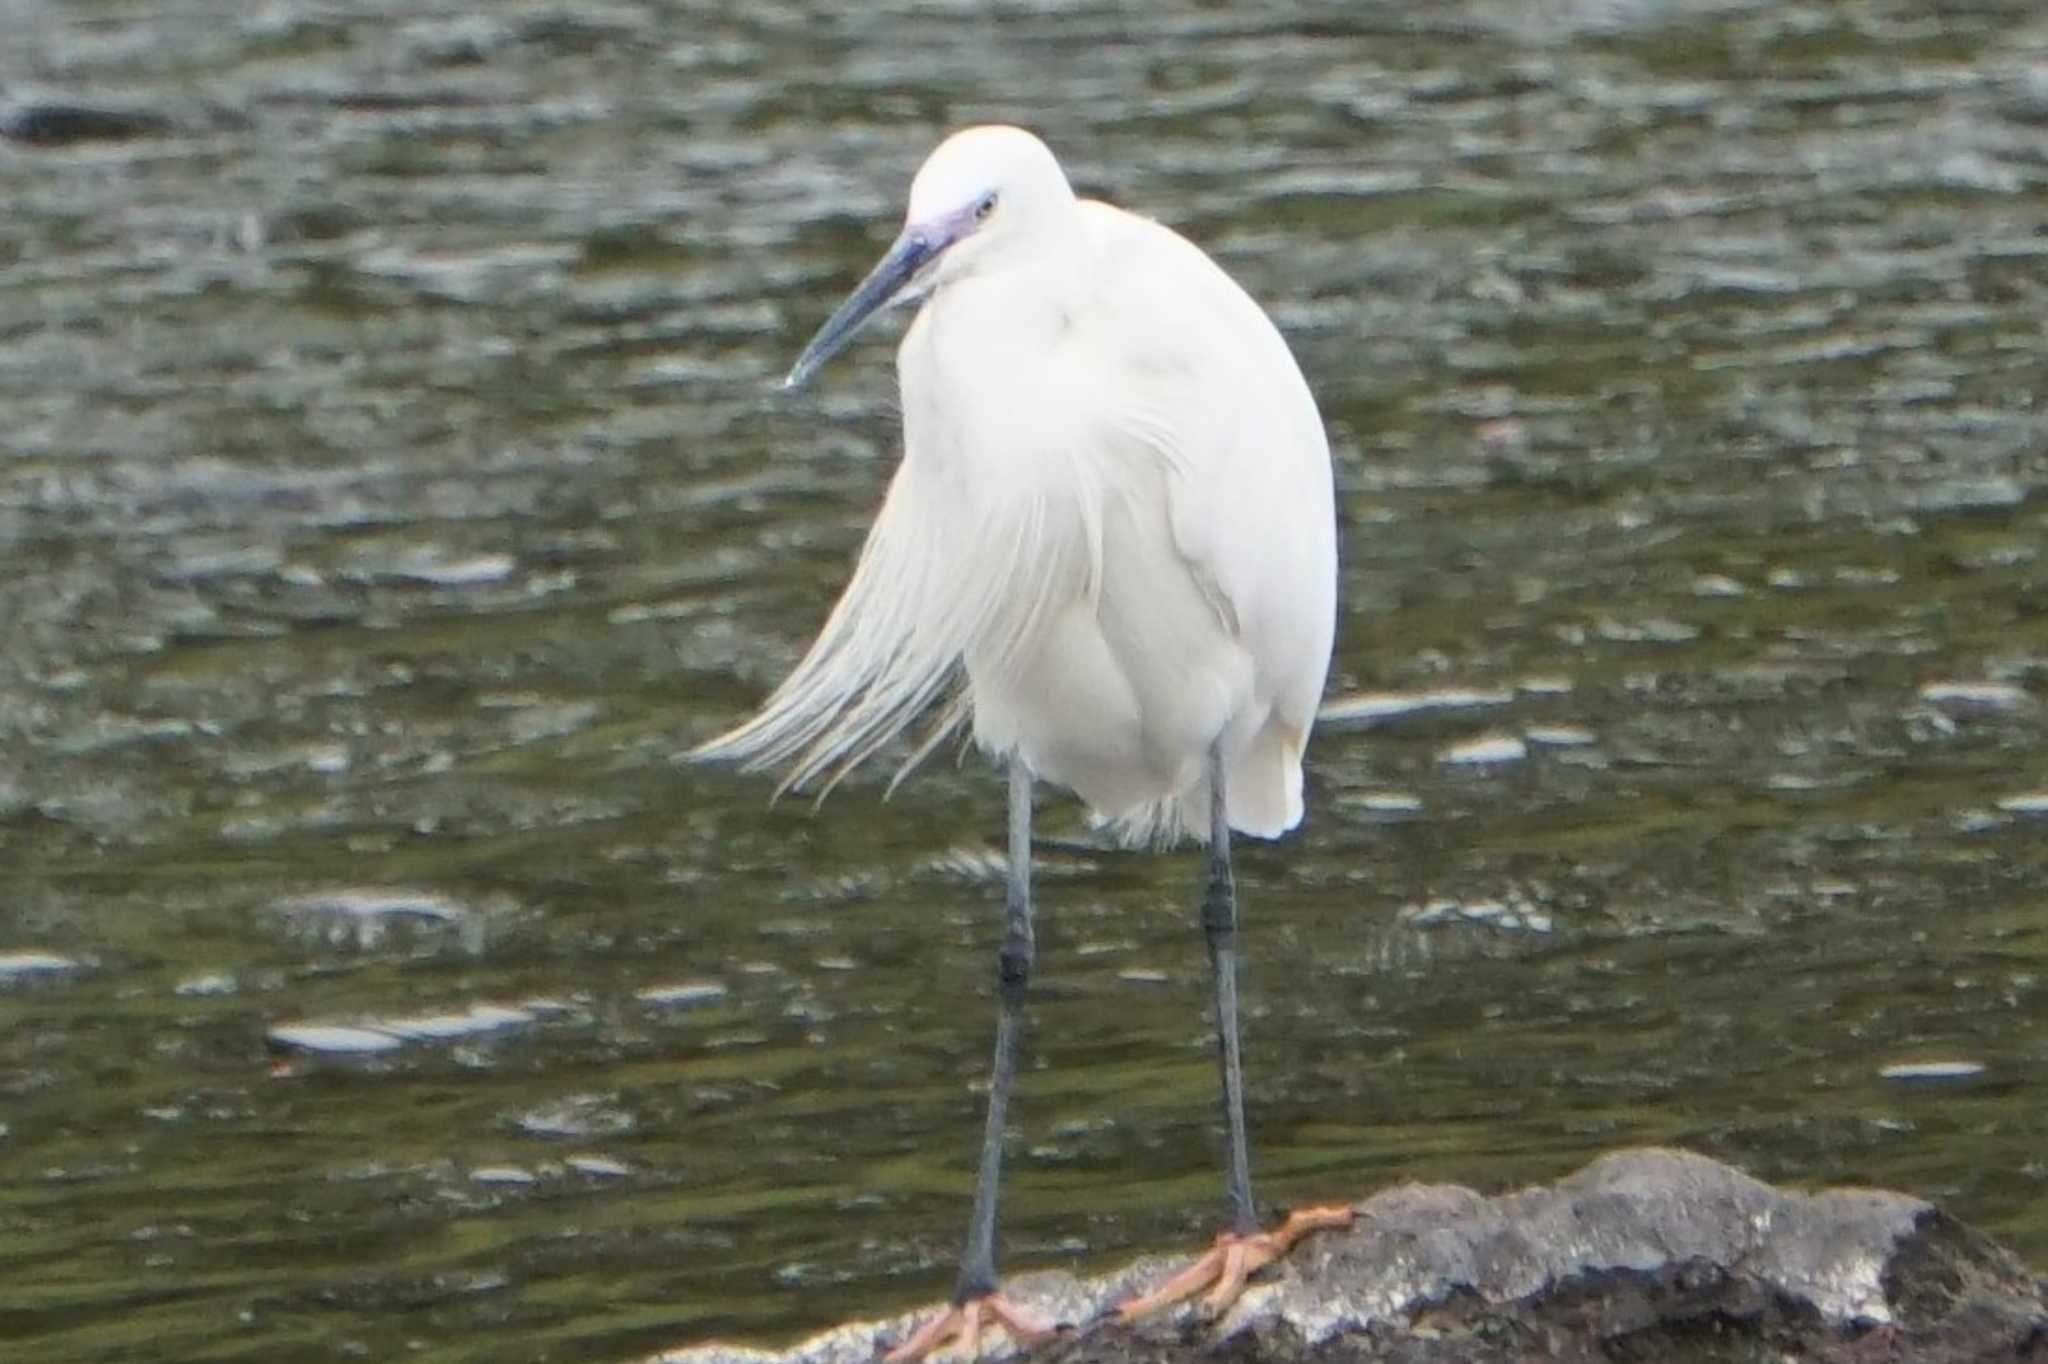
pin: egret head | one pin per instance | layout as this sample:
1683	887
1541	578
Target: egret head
984	192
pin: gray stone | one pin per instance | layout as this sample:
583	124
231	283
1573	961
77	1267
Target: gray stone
1648	1255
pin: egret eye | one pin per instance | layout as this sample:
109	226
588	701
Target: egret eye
984	209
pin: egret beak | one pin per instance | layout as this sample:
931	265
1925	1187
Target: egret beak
915	249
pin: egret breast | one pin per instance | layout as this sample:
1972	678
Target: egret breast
1100	659
1117	693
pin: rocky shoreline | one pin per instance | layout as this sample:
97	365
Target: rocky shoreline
1643	1255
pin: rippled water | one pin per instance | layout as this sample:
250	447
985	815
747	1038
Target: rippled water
391	483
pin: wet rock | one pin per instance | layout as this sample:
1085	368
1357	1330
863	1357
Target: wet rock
1643	1255
355	902
212	983
502	1174
1559	736
579	1115
474	1021
1369	708
362	916
377	1036
686	995
56	124
1514	915
331	1039
1990	695
1484	751
29	964
1933	1071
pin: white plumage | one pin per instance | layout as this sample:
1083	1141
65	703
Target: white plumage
1110	542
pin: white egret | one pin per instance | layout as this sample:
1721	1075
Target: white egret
1110	545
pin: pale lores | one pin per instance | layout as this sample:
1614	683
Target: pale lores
1111	545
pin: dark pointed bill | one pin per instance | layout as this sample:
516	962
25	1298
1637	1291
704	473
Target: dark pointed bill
912	251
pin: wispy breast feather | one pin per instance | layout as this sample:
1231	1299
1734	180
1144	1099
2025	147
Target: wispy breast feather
935	581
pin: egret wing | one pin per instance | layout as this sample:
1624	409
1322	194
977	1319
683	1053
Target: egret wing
1205	383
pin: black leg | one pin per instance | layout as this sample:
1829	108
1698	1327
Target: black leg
1013	973
1219	927
1241	1249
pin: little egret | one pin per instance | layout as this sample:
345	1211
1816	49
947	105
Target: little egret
1111	545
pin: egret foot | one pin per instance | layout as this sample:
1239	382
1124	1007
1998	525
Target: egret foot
1231	1262
963	1322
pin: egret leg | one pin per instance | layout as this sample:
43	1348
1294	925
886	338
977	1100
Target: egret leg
1219	929
1241	1249
975	1300
1014	957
